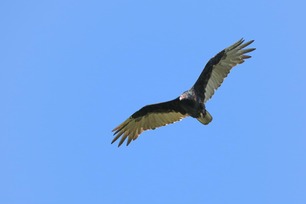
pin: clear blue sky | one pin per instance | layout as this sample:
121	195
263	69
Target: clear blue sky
70	71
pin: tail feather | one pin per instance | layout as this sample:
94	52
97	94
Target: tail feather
205	119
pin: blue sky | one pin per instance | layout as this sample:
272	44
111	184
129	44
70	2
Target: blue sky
71	71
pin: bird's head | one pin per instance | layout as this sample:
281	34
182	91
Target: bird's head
186	95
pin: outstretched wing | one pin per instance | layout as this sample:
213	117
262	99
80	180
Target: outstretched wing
148	118
218	68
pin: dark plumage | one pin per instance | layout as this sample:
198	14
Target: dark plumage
191	102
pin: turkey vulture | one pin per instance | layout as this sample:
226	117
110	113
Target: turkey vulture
191	102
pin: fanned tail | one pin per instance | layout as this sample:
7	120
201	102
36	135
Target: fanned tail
205	119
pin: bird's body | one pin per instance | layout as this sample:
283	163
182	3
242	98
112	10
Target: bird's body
189	103
194	106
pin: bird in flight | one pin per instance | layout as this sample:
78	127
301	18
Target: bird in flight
191	102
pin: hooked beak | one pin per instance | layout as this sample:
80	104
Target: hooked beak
182	97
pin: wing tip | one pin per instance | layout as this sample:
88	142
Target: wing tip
246	44
240	44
